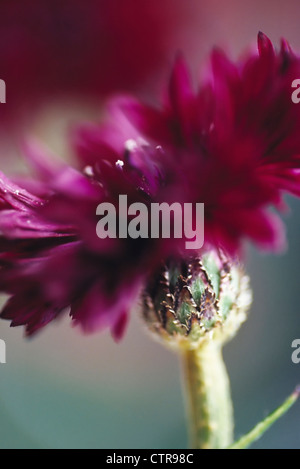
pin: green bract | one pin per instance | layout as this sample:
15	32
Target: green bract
191	301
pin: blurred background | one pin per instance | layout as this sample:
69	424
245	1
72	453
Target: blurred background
65	390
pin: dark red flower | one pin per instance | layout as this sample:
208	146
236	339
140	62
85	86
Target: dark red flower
233	144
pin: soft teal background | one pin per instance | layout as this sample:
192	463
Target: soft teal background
64	390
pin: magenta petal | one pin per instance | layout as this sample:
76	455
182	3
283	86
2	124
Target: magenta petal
149	121
265	46
23	225
24	312
60	177
119	328
97	311
91	145
181	96
286	49
15	196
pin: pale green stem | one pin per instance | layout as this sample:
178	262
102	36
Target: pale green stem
262	427
210	413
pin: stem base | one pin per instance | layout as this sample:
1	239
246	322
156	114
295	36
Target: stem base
208	396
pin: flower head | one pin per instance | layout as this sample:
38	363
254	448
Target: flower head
233	145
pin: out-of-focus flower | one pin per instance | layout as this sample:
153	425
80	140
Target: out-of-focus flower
234	145
75	48
51	258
